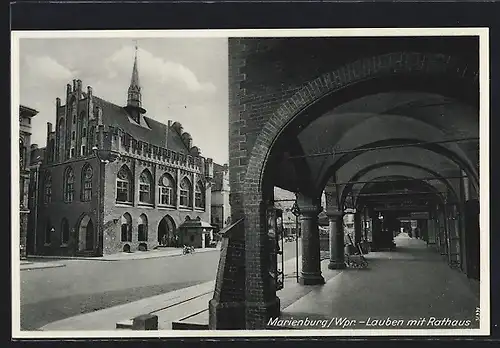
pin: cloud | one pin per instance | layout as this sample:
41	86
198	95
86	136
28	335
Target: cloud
155	68
47	68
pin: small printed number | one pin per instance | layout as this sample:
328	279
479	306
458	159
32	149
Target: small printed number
477	314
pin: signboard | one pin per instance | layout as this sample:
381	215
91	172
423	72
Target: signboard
420	215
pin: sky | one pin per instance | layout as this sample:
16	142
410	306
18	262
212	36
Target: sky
182	79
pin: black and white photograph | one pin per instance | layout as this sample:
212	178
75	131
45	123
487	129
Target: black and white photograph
183	183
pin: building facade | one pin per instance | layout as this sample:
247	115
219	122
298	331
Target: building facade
112	179
25	115
221	209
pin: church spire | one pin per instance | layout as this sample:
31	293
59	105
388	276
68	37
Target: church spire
135	73
134	99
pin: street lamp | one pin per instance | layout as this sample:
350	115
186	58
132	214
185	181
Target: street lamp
296	212
104	156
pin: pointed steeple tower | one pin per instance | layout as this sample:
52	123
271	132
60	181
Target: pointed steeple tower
134	98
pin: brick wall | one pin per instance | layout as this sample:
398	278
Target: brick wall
58	209
154	213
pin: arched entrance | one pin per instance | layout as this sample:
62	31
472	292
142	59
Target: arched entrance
167	232
86	235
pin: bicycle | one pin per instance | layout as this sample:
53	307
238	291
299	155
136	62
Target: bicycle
187	249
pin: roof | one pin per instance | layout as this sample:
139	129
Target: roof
218	168
152	131
26	111
195	223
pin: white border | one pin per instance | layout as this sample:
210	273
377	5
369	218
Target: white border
483	34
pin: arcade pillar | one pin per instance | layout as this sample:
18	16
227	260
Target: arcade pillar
358	232
376	232
454	235
311	263
336	240
432	238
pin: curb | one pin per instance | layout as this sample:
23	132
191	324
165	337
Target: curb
127	323
32	268
110	260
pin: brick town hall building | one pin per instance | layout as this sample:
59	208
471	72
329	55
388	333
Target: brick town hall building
112	179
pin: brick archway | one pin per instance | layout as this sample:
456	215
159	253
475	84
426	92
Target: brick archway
364	171
392	64
261	301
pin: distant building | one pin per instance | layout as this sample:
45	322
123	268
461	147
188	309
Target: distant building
284	200
221	209
112	179
25	115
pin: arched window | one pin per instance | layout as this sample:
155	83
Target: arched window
87	182
69	185
64	231
142	228
48	232
167	190
124	185
145	193
186	193
199	195
47	188
126	228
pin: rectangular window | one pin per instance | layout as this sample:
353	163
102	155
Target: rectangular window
73	135
69	192
197	200
48	194
87	191
184	198
122	191
144	193
83	150
72	152
84	132
166	196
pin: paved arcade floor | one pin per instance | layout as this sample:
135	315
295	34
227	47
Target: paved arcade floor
412	283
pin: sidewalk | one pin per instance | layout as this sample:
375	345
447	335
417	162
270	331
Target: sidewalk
122	256
28	265
409	284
